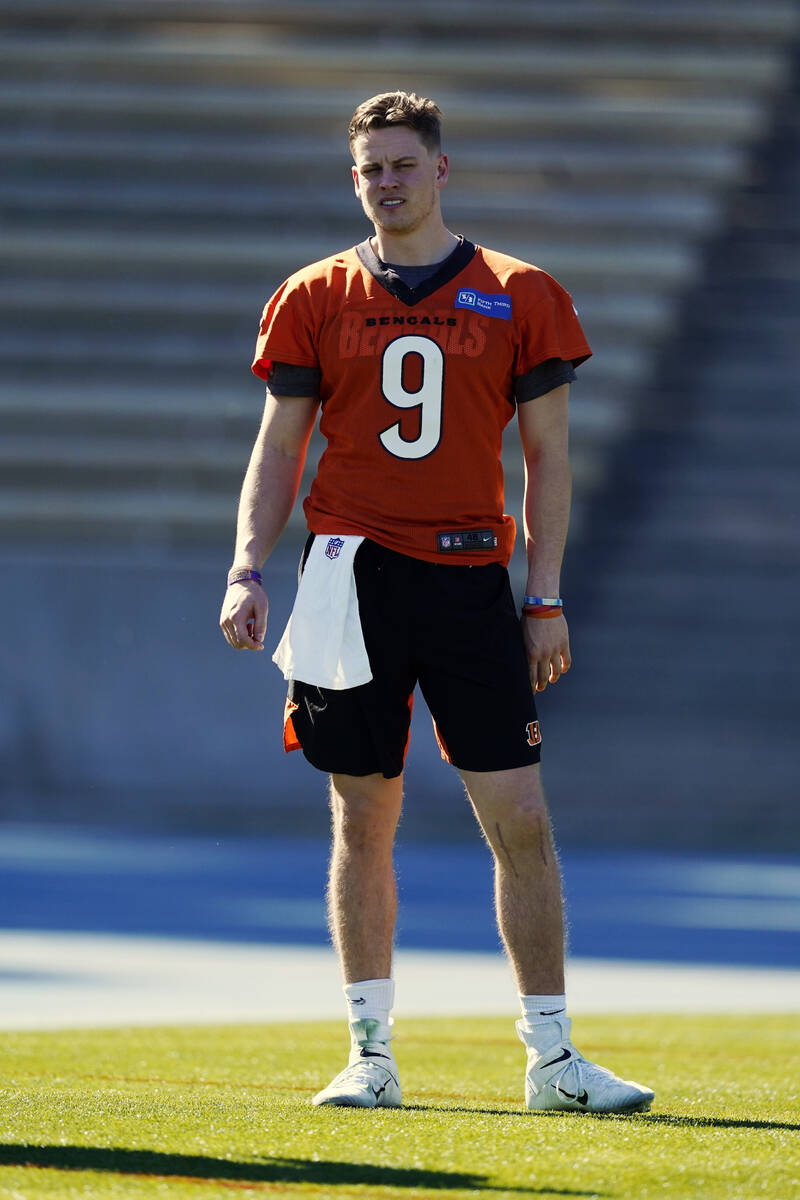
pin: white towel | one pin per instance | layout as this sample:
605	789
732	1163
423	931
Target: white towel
323	642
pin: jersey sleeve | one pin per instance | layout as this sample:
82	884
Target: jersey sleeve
287	332
550	329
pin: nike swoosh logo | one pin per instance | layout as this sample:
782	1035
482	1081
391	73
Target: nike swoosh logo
551	1013
563	1056
372	1054
361	1000
378	1092
582	1099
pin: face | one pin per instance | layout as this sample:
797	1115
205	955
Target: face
397	179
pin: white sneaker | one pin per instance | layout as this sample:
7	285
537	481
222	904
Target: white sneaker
561	1078
370	1078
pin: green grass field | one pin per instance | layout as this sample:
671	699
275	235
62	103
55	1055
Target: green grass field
225	1111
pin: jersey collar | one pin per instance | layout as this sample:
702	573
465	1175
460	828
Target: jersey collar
463	254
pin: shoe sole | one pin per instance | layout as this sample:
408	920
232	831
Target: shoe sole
641	1106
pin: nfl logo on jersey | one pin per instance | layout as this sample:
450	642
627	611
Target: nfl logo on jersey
334	547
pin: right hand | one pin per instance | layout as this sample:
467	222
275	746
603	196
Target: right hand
243	618
547	645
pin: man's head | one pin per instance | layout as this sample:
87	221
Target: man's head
399	108
399	167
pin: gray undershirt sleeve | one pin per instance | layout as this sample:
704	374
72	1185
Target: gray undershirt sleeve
552	373
285	379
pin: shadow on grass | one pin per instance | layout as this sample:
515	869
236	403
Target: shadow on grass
277	1170
646	1118
702	1122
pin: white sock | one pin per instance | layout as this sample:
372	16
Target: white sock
371	1000
539	1012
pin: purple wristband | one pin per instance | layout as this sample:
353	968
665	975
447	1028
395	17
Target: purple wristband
244	575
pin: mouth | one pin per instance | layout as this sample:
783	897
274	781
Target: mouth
391	203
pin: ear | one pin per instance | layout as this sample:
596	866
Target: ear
442	170
356	181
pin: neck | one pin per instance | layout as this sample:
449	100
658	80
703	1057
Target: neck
415	249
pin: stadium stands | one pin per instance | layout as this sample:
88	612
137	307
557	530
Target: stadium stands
167	164
687	591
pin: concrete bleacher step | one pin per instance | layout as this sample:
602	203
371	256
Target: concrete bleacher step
231	413
35	152
125	461
682	20
266	61
178	360
578	258
114	514
82	203
81	464
91	310
164	511
25	404
680	119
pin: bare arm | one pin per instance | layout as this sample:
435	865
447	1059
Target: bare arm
548	490
267	498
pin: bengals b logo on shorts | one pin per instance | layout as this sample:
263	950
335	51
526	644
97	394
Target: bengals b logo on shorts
533	732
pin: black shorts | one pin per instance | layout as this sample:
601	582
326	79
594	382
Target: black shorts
453	629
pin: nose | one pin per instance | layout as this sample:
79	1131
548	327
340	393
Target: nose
387	179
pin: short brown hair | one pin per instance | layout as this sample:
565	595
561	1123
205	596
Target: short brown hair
399	108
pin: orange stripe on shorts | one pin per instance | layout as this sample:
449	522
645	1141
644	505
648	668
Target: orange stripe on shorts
442	746
408	735
290	739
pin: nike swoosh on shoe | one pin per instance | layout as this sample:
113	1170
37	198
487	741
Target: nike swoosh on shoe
563	1056
582	1099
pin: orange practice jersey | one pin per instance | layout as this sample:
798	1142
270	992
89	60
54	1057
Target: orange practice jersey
417	386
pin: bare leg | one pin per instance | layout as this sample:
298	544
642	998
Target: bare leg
512	812
362	893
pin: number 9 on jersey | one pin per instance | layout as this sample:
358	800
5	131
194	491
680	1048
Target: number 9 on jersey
427	397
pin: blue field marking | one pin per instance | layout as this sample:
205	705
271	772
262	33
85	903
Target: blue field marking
634	906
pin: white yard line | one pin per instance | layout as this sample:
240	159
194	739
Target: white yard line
58	980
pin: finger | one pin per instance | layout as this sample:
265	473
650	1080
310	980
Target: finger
555	669
542	675
231	636
243	637
257	642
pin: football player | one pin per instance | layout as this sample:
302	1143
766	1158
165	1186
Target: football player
416	348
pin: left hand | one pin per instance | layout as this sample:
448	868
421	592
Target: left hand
547	645
243	619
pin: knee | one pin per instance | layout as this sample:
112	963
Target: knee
522	823
528	820
521	801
